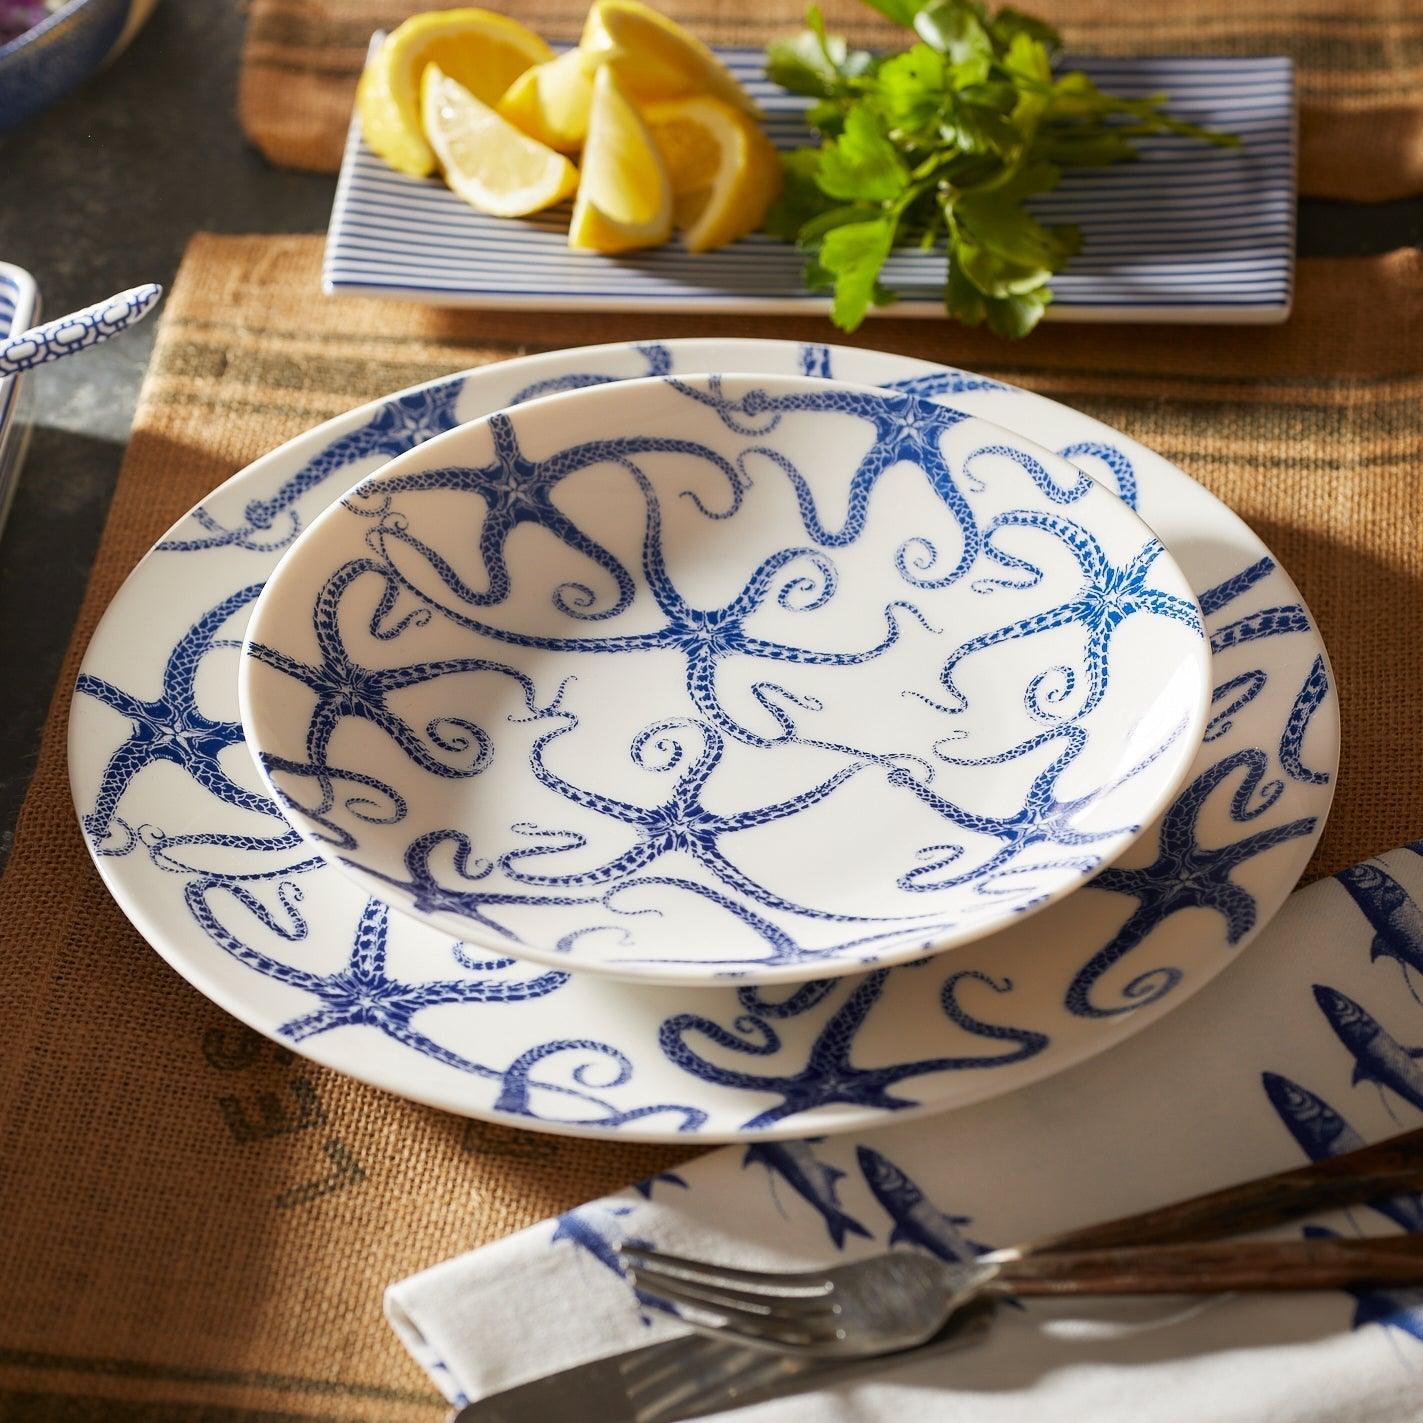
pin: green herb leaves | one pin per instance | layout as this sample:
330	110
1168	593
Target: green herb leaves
943	144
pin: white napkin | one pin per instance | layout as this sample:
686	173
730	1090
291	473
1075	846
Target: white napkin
1303	1048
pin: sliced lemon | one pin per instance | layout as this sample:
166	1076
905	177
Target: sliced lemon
724	171
654	57
550	102
624	200
478	49
492	165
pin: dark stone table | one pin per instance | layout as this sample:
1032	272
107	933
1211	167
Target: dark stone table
102	193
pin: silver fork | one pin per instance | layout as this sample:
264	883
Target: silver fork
894	1302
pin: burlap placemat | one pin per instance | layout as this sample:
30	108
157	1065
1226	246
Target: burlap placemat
1359	65
194	1224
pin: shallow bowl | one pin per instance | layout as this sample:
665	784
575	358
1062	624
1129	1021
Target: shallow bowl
757	677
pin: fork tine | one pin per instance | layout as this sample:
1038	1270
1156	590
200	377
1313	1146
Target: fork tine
758	1330
770	1282
717	1295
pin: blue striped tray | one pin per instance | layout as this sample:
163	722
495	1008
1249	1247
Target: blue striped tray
1188	234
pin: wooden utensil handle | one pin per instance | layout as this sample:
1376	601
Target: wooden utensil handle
1219	1265
1371	1173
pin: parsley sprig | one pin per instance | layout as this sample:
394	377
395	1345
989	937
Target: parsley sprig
943	144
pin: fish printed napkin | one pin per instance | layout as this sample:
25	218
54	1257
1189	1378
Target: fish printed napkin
1307	1047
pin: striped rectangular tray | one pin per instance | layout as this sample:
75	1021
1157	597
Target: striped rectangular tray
1188	234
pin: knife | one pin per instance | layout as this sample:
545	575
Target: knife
690	1378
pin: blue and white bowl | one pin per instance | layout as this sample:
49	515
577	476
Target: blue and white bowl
758	677
19	310
42	65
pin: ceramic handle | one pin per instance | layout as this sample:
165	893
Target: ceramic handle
53	340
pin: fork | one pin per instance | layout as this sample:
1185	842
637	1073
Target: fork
896	1301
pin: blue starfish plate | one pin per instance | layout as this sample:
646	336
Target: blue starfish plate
702	677
202	860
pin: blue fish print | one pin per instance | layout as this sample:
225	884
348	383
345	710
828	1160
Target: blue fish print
1400	1309
1321	1131
810	1178
916	1220
597	1231
1378	1057
670	1178
1396	917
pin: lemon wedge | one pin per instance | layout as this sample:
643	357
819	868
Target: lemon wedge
624	199
654	57
724	171
478	49
493	166
550	102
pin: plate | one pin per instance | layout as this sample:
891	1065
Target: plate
209	872
1189	233
704	677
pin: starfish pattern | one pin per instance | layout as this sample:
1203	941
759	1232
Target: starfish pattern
784	948
1185	875
344	688
657	356
1109	595
429	896
363	994
171	727
398	424
518	490
680	823
1308	700
705	637
1042	819
906	428
361	991
829	1075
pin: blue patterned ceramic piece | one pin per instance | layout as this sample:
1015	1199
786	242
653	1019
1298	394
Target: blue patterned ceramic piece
31	346
42	65
207	868
1188	233
707	677
19	309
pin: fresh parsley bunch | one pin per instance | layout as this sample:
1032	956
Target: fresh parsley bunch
944	143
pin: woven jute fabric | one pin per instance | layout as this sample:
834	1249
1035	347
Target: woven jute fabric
195	1223
1359	65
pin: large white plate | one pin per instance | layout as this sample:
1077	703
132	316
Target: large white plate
213	877
1189	233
